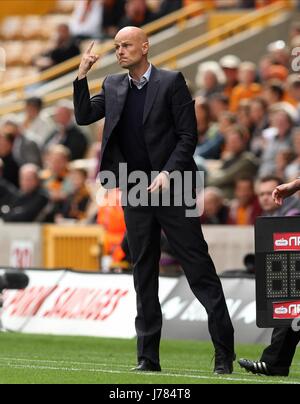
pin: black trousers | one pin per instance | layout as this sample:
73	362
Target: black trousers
144	225
280	354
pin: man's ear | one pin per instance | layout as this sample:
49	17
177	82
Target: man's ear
146	48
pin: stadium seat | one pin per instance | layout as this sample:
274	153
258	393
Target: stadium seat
11	28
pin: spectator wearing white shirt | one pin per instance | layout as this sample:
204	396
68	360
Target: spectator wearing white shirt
87	18
34	125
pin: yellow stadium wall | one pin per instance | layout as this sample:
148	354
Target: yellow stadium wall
217	20
23	7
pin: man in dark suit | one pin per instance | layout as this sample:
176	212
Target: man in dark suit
32	200
277	358
150	125
67	133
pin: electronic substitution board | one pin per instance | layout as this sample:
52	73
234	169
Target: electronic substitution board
277	250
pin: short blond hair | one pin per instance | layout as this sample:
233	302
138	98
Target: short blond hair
61	150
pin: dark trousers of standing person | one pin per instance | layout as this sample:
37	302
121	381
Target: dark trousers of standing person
144	225
280	354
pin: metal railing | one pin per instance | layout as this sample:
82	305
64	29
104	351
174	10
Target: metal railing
260	18
178	18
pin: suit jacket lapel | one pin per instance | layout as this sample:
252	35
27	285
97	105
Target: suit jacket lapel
152	91
122	95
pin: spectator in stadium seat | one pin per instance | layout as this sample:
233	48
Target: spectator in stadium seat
25	151
65	48
113	12
245	208
277	138
10	168
244	118
274	92
169	6
260	120
264	68
55	178
218	104
295	30
67	133
137	14
293	169
236	162
247	88
8	192
265	189
279	53
282	161
86	20
212	148
278	72
210	79
294	91
206	128
35	126
76	204
230	65
32	200
215	210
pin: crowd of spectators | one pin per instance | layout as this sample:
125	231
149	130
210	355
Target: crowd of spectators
101	19
248	132
248	118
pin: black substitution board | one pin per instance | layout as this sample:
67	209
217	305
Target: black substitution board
277	250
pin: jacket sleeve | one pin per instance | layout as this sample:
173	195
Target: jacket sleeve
226	177
87	110
183	112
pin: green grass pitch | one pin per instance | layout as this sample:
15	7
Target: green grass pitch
35	359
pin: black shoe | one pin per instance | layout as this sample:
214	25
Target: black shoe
261	368
146	366
224	363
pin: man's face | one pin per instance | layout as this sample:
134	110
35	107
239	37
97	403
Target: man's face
31	111
257	113
131	48
212	204
10	129
28	182
231	75
63	116
235	143
281	122
265	191
136	8
244	192
57	163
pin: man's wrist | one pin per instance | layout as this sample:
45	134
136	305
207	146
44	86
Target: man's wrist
81	76
166	173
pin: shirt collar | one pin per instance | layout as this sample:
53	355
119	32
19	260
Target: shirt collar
143	81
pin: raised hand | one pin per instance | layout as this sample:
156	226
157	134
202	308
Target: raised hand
87	61
284	191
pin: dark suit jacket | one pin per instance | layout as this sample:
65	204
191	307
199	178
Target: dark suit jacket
170	127
26	151
27	207
8	193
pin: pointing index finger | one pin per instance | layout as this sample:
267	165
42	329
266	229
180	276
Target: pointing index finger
90	47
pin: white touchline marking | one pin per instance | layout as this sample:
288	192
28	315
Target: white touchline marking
219	378
106	365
